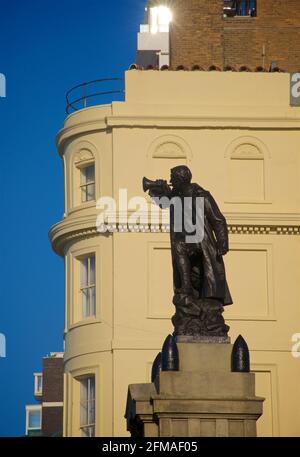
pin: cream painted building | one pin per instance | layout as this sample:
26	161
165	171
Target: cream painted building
241	139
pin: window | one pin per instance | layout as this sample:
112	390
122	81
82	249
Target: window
88	286
2	346
245	8
33	419
87	183
38	384
160	18
82	186
239	8
87	406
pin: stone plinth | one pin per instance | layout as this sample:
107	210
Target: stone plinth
203	398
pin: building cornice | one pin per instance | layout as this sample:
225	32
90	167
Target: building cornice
77	228
75	130
287	120
254	122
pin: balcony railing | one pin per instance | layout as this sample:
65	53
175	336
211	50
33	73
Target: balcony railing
98	91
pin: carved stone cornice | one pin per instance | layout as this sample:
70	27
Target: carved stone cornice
72	228
75	229
59	243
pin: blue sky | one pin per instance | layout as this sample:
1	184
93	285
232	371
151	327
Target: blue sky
46	47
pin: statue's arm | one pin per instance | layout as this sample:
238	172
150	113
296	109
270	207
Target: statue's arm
161	189
161	194
218	223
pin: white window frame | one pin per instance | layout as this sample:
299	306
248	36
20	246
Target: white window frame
89	288
29	409
38	392
88	406
74	317
84	186
80	154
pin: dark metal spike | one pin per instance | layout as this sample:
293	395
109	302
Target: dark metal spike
156	367
170	356
240	358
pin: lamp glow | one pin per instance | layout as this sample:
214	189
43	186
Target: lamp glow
160	18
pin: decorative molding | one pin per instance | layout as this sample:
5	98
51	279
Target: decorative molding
106	122
169	150
247	151
69	132
255	148
169	147
233	229
263	229
84	155
85	147
76	228
59	242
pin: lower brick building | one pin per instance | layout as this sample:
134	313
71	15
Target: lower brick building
46	417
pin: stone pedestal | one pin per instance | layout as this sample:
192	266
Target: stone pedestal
203	399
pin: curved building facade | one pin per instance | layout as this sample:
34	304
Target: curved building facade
241	139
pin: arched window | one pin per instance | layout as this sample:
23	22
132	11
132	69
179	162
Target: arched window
85	171
84	176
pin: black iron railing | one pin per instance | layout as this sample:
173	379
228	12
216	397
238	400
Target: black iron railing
88	93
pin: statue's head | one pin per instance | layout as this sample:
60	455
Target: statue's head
180	176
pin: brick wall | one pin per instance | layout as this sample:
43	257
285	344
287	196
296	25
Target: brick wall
200	35
196	33
52	415
52	421
53	369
